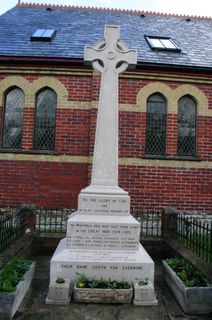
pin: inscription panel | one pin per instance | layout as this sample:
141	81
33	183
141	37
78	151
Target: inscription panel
105	236
103	204
113	264
117	265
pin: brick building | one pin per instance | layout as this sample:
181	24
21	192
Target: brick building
49	98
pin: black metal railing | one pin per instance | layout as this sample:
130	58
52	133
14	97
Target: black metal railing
52	220
150	222
12	226
195	234
190	231
55	221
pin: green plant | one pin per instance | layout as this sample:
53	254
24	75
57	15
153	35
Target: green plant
189	275
81	280
84	282
60	280
143	282
111	284
12	273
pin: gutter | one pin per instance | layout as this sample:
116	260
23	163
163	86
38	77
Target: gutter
78	62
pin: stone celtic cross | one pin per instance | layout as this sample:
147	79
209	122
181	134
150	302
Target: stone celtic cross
110	57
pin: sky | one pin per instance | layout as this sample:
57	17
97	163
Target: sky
187	7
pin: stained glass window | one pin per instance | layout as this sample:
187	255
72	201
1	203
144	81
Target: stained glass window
156	125
187	126
13	119
45	119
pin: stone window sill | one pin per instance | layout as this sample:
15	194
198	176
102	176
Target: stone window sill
20	151
166	157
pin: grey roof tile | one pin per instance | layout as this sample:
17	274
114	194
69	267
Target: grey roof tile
77	28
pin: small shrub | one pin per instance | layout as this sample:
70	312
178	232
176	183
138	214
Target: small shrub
12	273
84	282
143	282
60	280
189	275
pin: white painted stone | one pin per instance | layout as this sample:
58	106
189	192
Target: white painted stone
145	303
103	204
59	291
118	265
102	232
144	292
102	237
144	295
115	58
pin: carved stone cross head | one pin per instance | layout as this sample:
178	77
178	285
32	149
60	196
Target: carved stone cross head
110	57
110	52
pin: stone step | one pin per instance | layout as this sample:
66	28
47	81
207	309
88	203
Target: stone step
102	232
117	265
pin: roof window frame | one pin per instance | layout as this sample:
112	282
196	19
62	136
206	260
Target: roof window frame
45	35
161	46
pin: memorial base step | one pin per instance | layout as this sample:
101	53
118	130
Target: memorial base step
101	264
102	232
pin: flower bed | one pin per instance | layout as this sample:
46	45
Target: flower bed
102	291
190	288
15	280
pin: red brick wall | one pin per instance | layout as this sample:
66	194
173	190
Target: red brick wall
72	132
185	189
41	183
48	183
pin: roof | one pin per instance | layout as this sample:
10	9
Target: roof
76	27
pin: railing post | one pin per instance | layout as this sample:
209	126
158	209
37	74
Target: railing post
26	213
169	222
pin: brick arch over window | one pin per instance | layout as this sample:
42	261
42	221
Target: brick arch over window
45	119
17	81
55	85
13	118
196	94
173	96
152	88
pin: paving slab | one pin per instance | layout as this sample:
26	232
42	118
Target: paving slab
34	307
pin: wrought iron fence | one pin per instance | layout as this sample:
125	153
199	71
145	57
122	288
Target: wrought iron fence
195	234
150	222
12	226
52	220
190	231
55	221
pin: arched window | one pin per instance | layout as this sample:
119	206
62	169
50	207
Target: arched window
156	125
45	118
187	109
13	119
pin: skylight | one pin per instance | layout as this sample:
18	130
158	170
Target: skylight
162	43
43	35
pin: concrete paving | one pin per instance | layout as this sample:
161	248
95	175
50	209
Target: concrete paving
34	307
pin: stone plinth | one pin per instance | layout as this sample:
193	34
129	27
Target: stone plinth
59	293
105	264
102	232
144	295
104	204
